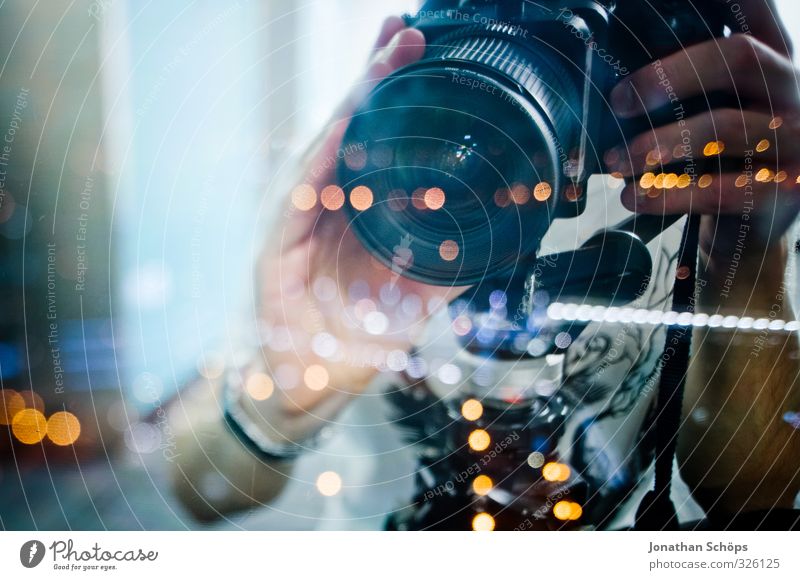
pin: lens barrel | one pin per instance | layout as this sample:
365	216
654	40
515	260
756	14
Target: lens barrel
459	160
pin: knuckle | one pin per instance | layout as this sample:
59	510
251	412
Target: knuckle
378	70
672	71
744	52
741	40
642	144
725	118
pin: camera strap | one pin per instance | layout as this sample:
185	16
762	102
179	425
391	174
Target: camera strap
656	510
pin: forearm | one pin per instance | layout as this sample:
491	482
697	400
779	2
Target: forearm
735	450
214	473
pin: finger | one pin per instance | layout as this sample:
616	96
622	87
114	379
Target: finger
406	46
389	28
740	65
760	18
728	133
759	190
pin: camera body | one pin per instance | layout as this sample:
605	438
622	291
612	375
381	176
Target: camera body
596	43
474	150
573	37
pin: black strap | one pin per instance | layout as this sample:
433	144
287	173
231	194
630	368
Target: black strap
656	511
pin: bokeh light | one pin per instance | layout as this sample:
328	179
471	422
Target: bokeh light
434	198
567	510
713	148
259	386
29	426
397	200
573	192
542	191
536	459
472	409
483	522
304	197
332	197
502	197
479	440
482	485
653	157
361	197
448	250
316	377
32	400
63	428
329	483
11	403
765	175
647	180
554	471
520	194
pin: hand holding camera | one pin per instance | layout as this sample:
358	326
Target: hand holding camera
476	127
334	307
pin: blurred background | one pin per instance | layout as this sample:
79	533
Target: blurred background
138	142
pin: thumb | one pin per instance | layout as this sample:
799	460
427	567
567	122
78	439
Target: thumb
405	47
761	19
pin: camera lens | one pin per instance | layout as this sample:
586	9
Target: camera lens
458	160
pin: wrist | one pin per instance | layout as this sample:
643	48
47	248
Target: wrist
256	412
742	276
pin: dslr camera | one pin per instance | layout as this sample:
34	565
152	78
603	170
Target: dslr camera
456	166
468	155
